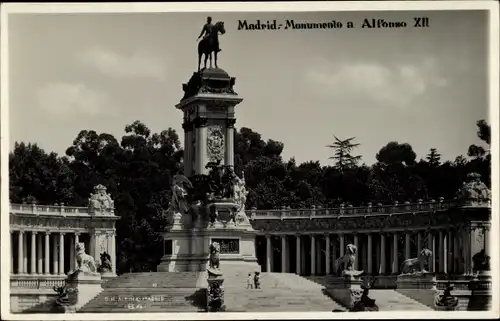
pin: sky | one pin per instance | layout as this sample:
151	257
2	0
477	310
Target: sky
422	86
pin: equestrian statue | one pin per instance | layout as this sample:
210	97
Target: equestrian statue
210	42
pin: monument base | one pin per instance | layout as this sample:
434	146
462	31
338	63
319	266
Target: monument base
84	286
186	242
346	290
421	287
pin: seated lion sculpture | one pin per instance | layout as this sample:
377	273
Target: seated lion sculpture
416	265
346	262
84	261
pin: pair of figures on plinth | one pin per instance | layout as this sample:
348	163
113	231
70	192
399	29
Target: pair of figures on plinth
220	185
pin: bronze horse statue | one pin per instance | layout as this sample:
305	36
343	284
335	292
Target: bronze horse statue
210	44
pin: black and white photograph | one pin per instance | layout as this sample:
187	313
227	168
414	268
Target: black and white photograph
230	160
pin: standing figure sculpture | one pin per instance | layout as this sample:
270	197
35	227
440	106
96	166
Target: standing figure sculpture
240	192
179	203
210	42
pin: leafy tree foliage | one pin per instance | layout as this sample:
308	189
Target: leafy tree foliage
137	170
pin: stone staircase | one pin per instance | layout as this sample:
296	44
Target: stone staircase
151	292
391	300
386	299
280	292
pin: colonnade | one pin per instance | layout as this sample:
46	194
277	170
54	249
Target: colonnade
53	253
378	253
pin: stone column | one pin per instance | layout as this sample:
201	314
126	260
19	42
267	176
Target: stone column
449	253
113	253
188	127
445	252
419	242
33	253
283	254
298	264
432	246
47	253
356	244
382	254
229	160
55	262
319	269
327	255
334	254
407	245
313	255
369	254
268	253
39	253
72	257
20	254
487	239
456	253
341	245
12	251
441	251
201	144
25	253
61	253
395	253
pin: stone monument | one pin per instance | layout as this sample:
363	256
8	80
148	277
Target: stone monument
208	200
81	285
346	288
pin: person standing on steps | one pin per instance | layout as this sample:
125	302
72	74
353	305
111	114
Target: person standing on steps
250	281
256	280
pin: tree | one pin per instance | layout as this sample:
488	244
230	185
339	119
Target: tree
484	134
395	153
433	158
342	153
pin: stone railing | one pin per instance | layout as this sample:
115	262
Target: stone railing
56	210
343	210
36	281
18	281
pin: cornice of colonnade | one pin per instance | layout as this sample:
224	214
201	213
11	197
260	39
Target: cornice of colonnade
389	231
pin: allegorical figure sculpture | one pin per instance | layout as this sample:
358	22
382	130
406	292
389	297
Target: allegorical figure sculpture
240	192
210	42
179	202
447	301
65	298
416	265
345	264
84	262
214	261
105	266
481	262
100	202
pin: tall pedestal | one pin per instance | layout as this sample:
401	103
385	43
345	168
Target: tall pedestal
208	108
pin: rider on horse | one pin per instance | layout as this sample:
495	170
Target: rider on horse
207	30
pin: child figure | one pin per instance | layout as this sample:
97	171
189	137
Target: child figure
256	280
250	281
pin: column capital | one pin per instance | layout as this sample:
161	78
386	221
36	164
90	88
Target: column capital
48	232
268	236
62	233
34	232
187	126
230	122
200	122
77	233
21	232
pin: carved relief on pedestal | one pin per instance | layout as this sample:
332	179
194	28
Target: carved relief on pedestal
215	143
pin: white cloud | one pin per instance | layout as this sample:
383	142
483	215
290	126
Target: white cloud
395	84
63	99
139	64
